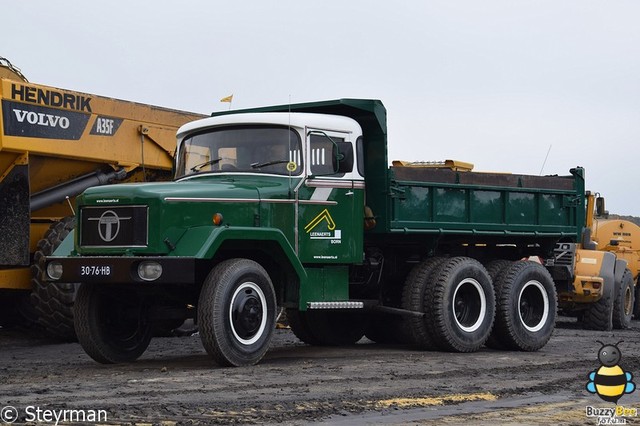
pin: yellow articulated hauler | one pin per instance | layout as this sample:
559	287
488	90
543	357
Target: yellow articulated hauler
54	144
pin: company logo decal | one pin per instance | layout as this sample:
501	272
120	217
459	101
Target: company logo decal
35	95
42	122
610	382
317	232
109	225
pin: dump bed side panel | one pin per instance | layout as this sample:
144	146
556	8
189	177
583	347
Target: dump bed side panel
443	201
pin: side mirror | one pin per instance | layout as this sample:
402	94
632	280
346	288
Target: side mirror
329	155
342	157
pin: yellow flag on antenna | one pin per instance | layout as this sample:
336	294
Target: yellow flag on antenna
227	99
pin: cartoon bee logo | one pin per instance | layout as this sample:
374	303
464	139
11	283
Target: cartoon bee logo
610	381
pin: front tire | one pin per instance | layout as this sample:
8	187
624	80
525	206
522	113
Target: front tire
112	326
237	312
526	307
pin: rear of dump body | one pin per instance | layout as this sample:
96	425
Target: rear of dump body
54	143
440	201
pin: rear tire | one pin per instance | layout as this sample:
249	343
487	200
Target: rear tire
495	268
624	301
112	326
300	327
461	305
418	283
333	328
384	328
237	312
526	307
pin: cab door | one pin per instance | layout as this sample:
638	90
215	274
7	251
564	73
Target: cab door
330	201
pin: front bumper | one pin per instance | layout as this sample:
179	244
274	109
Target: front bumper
122	270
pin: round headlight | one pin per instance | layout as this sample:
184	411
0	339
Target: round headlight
149	271
54	270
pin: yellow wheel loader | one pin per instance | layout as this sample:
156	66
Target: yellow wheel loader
622	238
603	290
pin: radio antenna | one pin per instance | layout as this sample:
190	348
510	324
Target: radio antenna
545	159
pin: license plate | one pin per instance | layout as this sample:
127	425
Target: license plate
95	271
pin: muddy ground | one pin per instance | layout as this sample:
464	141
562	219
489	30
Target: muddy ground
175	382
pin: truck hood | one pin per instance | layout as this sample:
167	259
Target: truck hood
237	187
164	211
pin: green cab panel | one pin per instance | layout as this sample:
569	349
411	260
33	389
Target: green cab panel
324	284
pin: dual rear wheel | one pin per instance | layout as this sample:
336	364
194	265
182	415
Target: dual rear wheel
509	305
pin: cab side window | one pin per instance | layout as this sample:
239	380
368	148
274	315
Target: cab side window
323	159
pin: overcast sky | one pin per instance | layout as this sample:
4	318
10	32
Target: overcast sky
494	83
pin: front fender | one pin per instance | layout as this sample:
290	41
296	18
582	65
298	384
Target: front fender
203	242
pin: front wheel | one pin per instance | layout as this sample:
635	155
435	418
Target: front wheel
112	326
237	312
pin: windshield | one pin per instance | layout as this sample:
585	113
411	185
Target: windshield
256	149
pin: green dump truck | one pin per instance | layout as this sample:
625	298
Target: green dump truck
295	207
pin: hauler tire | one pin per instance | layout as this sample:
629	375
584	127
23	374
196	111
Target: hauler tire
53	301
112	324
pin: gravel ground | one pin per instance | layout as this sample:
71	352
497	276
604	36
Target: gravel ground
175	382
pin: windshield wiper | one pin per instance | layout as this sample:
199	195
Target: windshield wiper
206	163
267	163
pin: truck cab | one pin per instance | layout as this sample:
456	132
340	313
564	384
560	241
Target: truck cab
280	194
315	191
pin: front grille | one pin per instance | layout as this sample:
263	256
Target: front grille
114	226
564	254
